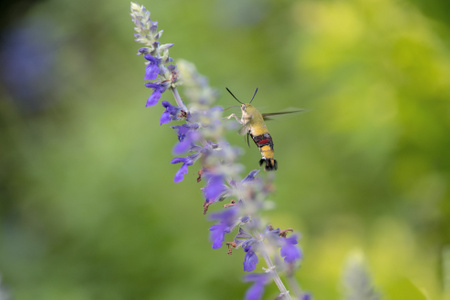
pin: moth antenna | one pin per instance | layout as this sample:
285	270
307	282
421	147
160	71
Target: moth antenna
253	95
234	96
230	107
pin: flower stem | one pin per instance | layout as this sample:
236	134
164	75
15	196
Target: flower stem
177	97
274	273
294	286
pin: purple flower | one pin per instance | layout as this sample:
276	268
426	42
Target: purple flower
170	114
256	291
143	50
273	236
152	69
214	188
154	26
187	161
218	231
158	89
183	129
243	238
245	219
289	250
250	259
306	296
217	234
211	115
187	143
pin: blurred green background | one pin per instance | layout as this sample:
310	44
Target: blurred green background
88	205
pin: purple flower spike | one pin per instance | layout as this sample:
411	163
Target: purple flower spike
256	291
152	69
158	89
250	260
289	250
170	114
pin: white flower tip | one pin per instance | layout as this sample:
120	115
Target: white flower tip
135	7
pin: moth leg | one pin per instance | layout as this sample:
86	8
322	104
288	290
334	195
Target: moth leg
234	116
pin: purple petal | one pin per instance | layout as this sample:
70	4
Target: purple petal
182	147
153	99
214	188
151	72
171	68
290	251
257	277
255	292
143	50
306	296
187	144
165	118
179	176
226	215
169	107
177	160
170	113
218	231
217	234
250	259
250	176
183	129
154	86
152	68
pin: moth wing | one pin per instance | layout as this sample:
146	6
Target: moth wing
244	130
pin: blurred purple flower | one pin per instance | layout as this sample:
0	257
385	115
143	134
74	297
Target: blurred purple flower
152	68
170	114
217	234
143	50
289	250
28	56
211	114
187	144
250	259
306	296
214	188
226	222
250	176
256	291
183	129
243	238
